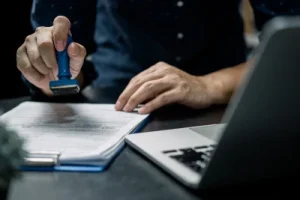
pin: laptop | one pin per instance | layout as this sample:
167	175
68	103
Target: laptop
259	135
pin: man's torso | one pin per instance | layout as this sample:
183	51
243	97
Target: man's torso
196	36
131	35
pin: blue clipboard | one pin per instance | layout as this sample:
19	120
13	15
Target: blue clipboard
84	168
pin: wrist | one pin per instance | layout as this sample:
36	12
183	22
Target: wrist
214	89
221	85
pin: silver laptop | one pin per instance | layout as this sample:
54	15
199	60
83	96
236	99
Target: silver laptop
258	138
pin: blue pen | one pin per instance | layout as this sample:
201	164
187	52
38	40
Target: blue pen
64	85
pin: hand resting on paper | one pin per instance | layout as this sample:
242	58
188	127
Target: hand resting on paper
36	58
164	84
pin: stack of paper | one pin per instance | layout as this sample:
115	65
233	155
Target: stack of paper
82	134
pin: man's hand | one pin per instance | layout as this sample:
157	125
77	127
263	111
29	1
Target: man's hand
36	56
163	84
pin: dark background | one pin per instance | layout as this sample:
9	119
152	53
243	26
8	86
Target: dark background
17	27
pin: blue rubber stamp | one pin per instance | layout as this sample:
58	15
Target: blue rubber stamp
64	85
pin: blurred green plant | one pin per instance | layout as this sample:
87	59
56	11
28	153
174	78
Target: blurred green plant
11	155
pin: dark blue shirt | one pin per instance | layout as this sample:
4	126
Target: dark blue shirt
126	37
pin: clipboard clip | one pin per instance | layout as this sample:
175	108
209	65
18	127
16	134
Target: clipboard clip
42	159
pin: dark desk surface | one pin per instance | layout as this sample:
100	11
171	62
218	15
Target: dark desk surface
130	176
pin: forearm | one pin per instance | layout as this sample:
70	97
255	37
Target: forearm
222	84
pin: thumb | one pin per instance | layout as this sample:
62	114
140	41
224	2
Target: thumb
77	55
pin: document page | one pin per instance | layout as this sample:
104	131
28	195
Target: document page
77	131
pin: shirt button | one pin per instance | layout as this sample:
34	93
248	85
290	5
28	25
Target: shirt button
178	58
180	35
180	3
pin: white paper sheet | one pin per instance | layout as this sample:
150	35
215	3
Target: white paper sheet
77	131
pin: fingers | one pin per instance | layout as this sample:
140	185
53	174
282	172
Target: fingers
168	97
36	58
133	86
61	27
45	46
25	66
148	90
34	55
77	54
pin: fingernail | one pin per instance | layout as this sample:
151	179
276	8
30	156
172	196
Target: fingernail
60	45
118	105
142	110
127	109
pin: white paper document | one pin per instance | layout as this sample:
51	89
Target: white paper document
82	133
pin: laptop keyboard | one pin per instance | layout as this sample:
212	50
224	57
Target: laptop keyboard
195	158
